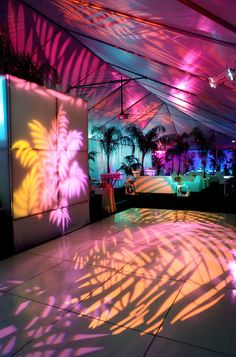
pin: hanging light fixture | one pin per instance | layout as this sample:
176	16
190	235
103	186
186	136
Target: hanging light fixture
122	114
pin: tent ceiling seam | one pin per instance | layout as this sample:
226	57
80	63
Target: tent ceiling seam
139	55
104	82
173	87
107	96
131	106
152	23
194	105
68	32
199	9
149	111
84	78
188	115
140	117
158	109
171	118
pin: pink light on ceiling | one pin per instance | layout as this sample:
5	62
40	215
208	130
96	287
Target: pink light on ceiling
180	96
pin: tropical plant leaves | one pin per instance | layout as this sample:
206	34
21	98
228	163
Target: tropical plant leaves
39	134
75	182
54	171
25	153
26	199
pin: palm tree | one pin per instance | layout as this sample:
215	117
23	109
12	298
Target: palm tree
92	157
146	142
179	145
130	164
22	64
204	142
217	159
188	160
158	163
110	138
170	157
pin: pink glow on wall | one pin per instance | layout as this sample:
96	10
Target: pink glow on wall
44	92
54	176
7	331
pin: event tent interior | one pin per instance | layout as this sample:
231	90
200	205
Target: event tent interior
165	51
154	275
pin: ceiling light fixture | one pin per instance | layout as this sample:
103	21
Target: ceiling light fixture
212	82
222	78
230	73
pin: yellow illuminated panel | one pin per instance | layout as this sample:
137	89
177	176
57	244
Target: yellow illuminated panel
53	174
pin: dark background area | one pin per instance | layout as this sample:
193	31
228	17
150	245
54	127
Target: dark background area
212	199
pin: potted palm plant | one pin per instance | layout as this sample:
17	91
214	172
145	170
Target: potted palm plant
146	142
110	138
129	165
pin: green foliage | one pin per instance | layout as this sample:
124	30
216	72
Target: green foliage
217	159
188	161
178	145
130	164
23	65
92	155
158	163
146	142
204	142
110	138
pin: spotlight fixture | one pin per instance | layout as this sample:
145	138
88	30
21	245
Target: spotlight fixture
230	73
222	78
212	82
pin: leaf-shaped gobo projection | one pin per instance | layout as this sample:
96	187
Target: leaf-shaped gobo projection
54	176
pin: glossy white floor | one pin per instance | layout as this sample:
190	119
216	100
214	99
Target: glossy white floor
144	282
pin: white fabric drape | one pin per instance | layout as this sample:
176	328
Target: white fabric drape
99	166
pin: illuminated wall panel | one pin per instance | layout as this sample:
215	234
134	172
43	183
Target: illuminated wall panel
73	185
33	110
33	230
35	182
39	230
48	164
76	109
79	216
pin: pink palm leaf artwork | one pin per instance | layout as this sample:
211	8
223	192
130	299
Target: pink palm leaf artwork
55	176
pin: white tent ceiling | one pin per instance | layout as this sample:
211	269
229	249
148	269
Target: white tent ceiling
165	50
